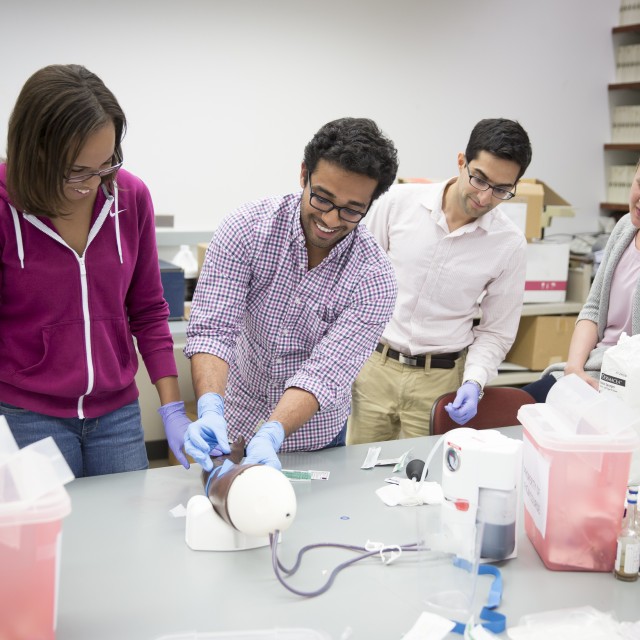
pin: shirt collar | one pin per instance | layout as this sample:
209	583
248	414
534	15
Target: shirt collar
432	200
298	235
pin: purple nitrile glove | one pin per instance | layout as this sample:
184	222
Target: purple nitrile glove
465	405
208	432
175	422
264	446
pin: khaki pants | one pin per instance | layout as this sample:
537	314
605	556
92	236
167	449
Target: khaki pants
391	400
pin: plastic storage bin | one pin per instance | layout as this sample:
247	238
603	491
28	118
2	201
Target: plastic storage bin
30	538
576	456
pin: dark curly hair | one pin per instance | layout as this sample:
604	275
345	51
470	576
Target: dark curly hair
503	138
358	145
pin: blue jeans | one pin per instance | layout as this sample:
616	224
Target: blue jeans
92	446
540	388
340	440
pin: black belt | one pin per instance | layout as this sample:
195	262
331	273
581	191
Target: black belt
438	360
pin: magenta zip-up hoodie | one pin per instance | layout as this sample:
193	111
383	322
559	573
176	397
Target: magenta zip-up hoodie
67	321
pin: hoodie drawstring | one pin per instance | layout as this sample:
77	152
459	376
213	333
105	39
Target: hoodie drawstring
94	230
116	215
16	225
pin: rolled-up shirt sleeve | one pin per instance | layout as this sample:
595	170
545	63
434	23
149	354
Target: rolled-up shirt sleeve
219	299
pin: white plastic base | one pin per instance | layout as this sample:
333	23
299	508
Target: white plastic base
207	531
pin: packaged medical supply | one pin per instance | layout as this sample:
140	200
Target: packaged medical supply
620	371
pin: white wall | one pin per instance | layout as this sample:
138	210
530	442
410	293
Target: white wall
222	95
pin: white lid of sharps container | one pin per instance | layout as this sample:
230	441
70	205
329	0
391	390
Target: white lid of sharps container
32	481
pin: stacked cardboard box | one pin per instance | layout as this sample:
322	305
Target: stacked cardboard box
539	203
542	341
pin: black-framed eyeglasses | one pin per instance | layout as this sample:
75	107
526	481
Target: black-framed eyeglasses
325	205
74	177
483	185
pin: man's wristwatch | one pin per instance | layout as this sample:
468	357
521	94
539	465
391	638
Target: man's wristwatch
480	389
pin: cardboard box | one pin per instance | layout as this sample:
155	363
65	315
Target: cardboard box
541	202
555	206
541	341
547	272
528	204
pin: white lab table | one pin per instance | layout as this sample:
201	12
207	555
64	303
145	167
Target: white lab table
127	573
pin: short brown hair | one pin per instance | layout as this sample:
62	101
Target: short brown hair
503	138
58	108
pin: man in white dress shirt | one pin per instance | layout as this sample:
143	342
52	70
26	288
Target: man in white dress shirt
456	255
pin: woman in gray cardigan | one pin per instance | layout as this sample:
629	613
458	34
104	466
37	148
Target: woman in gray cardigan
612	307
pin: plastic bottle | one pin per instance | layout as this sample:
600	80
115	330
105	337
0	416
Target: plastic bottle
628	553
187	261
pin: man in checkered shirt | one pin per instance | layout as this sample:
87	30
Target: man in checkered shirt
292	299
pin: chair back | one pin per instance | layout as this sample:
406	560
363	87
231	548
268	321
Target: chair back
498	408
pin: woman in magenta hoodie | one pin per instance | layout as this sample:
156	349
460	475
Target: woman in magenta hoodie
79	278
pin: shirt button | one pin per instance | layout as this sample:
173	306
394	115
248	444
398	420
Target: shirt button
298	301
285	332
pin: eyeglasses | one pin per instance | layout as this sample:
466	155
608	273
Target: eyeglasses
483	185
325	205
73	178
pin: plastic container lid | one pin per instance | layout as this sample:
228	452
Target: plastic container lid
55	505
32	481
576	417
545	424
